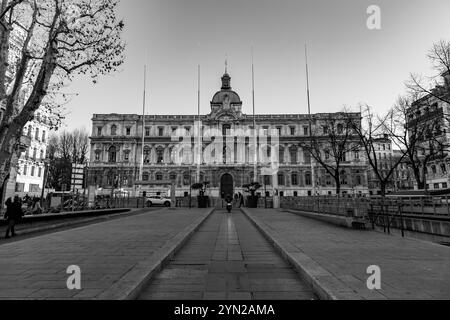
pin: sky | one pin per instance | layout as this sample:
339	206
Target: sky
348	63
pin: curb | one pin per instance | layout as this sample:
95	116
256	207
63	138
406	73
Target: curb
341	221
131	284
324	284
74	224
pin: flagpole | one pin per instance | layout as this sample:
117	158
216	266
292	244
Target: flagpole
199	148
255	141
143	125
313	177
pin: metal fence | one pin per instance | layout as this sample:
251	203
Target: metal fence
342	206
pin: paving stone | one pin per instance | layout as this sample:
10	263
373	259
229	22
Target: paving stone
410	268
237	251
104	251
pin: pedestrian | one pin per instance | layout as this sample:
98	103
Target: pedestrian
241	200
13	215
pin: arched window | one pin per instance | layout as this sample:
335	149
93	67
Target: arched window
34	153
267	180
308	180
145	176
307	156
433	169
160	155
173	176
36	136
112	154
343	176
186	179
41	155
294	179
159	176
226	129
97	155
281	181
293	154
281	154
113	130
146	154
126	155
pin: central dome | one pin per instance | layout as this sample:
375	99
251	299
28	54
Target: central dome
226	94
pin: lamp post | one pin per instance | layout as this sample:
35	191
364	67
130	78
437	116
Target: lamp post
44	183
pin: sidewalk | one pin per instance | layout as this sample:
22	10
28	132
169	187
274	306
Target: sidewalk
106	252
410	269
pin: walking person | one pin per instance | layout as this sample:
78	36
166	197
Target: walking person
13	215
241	200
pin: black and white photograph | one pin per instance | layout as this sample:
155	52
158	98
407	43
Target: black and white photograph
223	157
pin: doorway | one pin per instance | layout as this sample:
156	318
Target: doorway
226	186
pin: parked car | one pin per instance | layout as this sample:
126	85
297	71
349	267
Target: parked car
158	200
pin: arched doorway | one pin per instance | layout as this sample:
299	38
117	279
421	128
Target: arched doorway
226	185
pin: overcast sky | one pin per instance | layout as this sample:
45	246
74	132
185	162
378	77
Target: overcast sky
348	62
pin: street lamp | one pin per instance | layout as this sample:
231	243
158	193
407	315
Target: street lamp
44	183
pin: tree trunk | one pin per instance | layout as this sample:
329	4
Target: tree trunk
337	179
383	188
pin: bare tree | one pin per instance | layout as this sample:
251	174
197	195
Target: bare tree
371	131
332	138
62	38
438	85
66	149
417	131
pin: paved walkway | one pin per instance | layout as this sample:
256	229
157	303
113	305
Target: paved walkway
36	268
410	269
227	258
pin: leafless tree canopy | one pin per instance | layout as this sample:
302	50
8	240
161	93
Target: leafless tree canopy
332	137
61	38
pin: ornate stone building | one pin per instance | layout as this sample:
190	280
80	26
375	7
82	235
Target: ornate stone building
116	149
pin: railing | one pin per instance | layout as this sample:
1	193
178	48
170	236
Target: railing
342	206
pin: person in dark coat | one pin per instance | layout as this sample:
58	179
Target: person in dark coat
13	215
241	200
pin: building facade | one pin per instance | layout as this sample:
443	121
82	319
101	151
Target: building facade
428	122
227	157
27	166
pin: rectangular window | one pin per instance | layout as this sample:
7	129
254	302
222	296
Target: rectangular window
305	131
279	131
292	131
436	186
32	171
161	131
99	131
444	185
128	131
147	132
40	172
20	187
